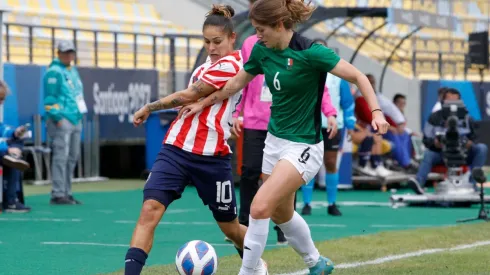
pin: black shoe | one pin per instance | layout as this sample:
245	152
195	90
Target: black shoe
15	162
415	186
17	208
61	201
71	198
333	210
306	211
281	239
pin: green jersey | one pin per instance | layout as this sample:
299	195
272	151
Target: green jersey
296	78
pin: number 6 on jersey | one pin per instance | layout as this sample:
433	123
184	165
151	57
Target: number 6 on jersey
222	188
277	84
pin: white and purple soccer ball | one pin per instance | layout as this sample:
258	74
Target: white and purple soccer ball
196	258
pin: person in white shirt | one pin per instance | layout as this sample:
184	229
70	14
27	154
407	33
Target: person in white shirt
401	152
440	95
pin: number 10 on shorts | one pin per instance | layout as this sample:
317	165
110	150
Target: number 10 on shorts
221	189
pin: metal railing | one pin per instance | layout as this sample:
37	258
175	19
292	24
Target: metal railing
36	44
99	48
88	163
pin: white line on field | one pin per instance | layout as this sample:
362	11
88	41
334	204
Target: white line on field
39	220
126	245
407	225
399	257
83	243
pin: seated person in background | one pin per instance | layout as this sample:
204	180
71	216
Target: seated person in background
397	135
369	149
440	95
400	102
11	146
477	152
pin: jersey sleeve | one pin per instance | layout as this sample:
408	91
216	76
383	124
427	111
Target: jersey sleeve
322	58
253	65
218	74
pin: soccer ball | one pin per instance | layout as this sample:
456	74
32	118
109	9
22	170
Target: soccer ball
196	258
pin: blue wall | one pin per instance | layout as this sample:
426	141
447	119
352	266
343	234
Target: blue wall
472	96
123	92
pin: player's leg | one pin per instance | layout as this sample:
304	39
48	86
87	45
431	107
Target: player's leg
165	184
365	141
258	229
376	161
287	176
332	176
73	155
213	179
253	146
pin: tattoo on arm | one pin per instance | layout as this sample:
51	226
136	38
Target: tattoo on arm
160	105
176	102
197	87
156	105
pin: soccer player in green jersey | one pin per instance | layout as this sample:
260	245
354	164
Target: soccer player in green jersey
295	70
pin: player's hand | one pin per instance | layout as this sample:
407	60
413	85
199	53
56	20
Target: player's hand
14	151
190	110
20	131
237	127
379	123
332	127
141	116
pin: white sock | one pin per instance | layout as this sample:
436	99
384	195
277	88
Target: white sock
254	244
298	235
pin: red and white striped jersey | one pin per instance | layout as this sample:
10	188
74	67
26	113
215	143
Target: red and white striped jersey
206	133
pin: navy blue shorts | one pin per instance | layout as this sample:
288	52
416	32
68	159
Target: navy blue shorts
212	176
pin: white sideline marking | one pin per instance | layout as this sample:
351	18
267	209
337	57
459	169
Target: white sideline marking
408	225
326	225
82	243
126	245
323	204
105	211
399	257
322	225
172	223
39	220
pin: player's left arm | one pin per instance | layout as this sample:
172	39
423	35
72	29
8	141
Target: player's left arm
233	86
347	71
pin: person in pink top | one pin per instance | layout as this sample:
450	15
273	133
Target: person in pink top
255	109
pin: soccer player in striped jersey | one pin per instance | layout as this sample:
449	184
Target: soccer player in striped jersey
195	149
295	70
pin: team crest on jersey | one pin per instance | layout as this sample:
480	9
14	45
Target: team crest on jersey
290	64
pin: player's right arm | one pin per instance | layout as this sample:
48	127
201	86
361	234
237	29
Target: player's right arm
194	92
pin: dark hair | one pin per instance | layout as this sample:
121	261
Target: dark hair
451	91
289	12
441	91
4	87
252	1
220	16
398	96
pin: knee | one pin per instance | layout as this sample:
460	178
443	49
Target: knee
331	164
151	213
260	210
